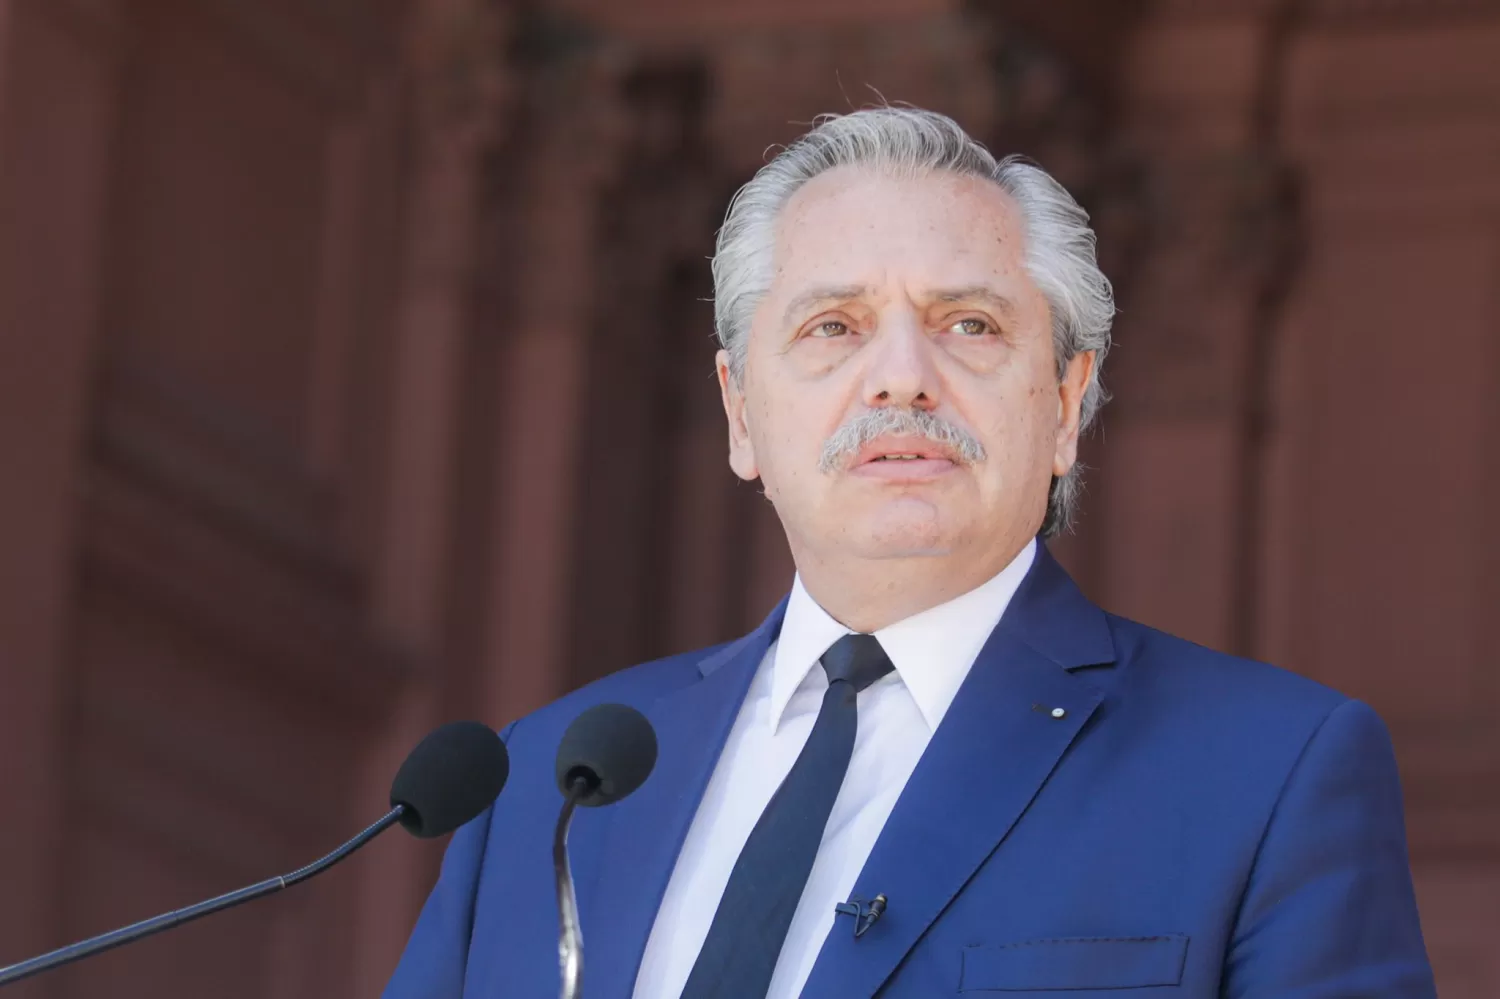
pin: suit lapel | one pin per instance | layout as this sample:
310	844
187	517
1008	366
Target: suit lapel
642	835
1001	739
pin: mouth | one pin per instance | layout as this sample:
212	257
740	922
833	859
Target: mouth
899	449
904	461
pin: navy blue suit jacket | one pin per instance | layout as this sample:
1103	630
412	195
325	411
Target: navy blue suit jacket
1192	825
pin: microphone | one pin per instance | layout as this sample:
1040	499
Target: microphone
453	775
449	778
865	914
604	756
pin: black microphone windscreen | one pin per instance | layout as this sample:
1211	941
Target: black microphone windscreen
453	775
612	747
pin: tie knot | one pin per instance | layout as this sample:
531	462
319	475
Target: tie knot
857	659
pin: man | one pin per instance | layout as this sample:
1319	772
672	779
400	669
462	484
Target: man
1046	798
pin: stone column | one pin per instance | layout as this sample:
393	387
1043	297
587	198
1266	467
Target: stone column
1178	487
58	97
529	354
457	97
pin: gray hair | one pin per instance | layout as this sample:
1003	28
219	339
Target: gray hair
903	142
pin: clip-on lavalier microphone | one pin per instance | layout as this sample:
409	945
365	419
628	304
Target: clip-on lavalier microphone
865	913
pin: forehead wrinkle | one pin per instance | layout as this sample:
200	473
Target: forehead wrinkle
842	191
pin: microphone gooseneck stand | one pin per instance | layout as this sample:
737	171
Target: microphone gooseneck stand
167	920
570	934
606	754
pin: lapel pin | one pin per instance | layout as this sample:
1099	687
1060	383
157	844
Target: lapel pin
1059	712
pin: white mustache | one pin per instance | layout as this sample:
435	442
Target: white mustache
847	441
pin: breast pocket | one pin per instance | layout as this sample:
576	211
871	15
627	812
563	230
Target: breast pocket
1074	963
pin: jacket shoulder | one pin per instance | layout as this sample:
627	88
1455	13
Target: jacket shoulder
1215	681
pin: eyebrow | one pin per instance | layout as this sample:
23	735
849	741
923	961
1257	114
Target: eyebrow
976	293
979	294
819	295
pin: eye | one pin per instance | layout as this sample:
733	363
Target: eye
972	327
829	328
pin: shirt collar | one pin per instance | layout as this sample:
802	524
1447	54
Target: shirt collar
932	651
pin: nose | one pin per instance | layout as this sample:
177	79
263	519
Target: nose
900	370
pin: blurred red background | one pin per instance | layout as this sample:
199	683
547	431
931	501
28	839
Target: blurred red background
355	375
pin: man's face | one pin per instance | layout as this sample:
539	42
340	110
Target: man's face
900	395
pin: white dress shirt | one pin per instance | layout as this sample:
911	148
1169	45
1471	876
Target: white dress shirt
932	652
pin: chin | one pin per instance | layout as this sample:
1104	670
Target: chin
901	537
877	553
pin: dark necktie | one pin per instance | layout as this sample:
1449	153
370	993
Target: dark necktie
743	944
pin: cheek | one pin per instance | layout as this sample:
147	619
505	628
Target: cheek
1021	431
768	430
788	442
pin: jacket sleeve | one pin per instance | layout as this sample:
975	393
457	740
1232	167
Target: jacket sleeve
1329	910
433	964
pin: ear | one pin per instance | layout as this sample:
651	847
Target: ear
741	448
1070	389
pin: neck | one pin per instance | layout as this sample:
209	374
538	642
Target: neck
865	595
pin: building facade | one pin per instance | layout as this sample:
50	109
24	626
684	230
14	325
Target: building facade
355	375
